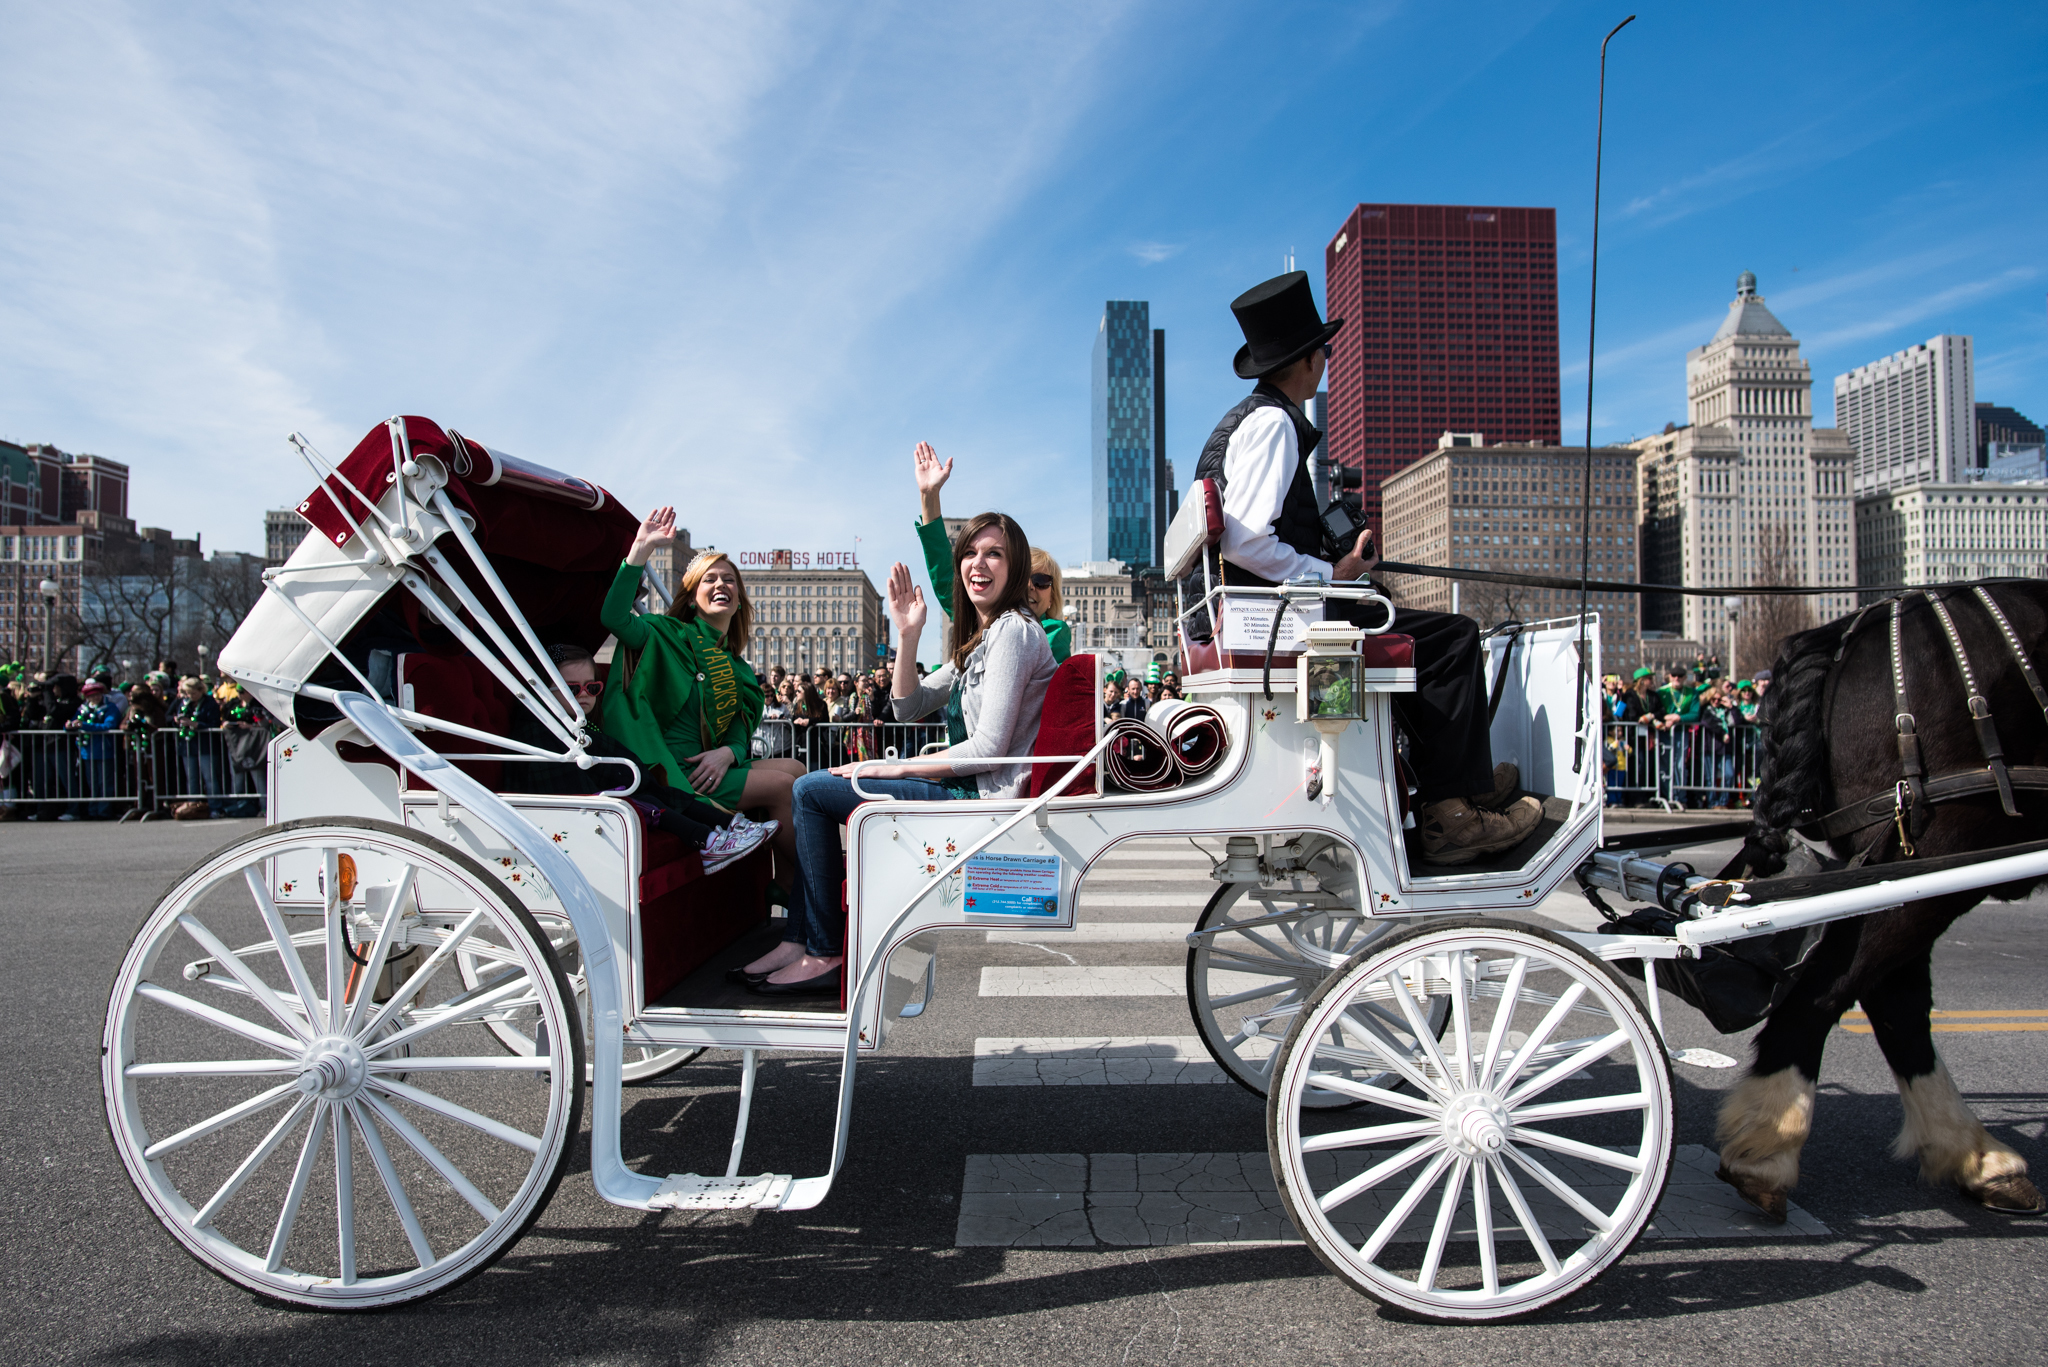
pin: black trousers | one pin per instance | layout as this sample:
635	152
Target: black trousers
1445	717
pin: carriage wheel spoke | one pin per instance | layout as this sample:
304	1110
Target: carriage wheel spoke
435	1159
309	1153
464	1007
1524	1216
1380	1096
419	977
1591	1054
1377	1173
461	1063
1254	994
287	949
379	952
223	1067
1371	1134
213	1015
1572	1148
344	1192
255	1105
1420	1029
1258	937
401	1204
1562	1190
1393	1052
258	1156
441	1106
1269	968
1503	1017
1461	1024
1571	1110
1523	1056
1446	1210
1482	1229
1405	1207
264	994
332	911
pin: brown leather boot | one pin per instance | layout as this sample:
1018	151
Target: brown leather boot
1507	780
1456	832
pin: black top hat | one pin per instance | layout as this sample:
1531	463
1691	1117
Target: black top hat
1280	324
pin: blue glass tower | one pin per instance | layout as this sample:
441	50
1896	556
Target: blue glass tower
1126	412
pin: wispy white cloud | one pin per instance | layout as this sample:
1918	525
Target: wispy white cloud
1152	253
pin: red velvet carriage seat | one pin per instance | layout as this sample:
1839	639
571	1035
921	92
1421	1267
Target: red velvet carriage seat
686	916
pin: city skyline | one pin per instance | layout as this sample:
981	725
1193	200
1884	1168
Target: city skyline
687	291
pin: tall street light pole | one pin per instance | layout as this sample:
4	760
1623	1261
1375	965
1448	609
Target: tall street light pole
49	588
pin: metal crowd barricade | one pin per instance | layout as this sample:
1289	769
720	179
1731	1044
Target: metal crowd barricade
1694	765
71	774
822	745
201	767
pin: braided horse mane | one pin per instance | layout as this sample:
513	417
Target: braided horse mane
1793	781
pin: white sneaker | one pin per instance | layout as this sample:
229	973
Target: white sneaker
729	844
742	824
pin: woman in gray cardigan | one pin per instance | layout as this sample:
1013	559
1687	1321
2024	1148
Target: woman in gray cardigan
991	691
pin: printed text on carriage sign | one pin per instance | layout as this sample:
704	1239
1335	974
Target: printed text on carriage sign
1013	885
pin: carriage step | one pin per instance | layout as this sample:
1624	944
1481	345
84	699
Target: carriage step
688	1191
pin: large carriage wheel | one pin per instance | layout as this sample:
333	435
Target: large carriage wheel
304	1095
517	1026
1525	1156
1246	982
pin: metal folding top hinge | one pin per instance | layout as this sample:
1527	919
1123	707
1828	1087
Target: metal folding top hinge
688	1191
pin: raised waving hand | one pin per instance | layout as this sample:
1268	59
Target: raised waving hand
931	477
657	529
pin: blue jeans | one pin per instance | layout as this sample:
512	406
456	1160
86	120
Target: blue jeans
823	801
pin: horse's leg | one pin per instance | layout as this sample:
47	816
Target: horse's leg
1951	1143
1764	1122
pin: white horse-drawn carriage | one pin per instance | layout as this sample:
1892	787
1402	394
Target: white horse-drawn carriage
345	1057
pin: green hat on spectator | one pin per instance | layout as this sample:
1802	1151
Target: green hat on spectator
1644	673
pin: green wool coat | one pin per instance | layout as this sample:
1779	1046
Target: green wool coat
687	694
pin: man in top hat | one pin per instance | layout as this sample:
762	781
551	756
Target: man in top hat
1273	531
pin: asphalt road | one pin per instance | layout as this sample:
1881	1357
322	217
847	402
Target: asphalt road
878	1273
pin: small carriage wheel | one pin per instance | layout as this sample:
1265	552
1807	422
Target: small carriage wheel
1526	1156
515	1028
1245	986
318	1115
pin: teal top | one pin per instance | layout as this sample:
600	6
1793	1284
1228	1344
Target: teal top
938	563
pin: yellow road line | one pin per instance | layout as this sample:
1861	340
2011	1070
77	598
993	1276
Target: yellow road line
1974	1027
1957	1015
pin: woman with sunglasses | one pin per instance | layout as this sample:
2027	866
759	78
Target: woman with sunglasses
1046	604
684	697
991	690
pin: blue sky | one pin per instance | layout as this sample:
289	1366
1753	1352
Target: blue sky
743	257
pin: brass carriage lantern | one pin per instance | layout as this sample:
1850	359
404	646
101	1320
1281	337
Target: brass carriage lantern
1330	694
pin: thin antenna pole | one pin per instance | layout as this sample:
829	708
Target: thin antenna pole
1586	481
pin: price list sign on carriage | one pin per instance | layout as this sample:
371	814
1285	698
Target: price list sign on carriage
1012	885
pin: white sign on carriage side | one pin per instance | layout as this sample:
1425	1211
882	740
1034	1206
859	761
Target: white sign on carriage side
1013	885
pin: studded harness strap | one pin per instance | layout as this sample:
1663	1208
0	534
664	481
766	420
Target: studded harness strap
1909	807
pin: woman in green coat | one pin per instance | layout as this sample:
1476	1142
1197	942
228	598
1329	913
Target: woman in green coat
938	556
686	701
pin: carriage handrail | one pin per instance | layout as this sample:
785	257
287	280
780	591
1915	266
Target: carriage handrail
991	760
806	1192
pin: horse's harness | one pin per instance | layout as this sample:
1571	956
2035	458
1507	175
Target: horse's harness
1909	806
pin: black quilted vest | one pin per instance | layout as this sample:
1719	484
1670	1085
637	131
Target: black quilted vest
1298	525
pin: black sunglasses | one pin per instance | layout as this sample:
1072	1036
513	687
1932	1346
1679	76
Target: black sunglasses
1041	581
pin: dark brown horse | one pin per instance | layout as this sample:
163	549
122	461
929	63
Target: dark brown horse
1833	744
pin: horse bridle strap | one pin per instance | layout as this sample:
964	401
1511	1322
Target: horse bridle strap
1909	735
1945	788
1980	707
2012	643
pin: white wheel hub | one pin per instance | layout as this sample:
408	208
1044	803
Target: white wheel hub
1476	1125
333	1069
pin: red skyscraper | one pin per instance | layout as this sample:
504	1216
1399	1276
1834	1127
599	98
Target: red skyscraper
1450	325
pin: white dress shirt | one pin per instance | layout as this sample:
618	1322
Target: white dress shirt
1258	466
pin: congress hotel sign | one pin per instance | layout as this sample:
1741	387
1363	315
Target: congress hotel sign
795	560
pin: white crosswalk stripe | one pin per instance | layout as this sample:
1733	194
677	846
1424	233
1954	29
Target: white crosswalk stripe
1100	1061
1099	932
1097	980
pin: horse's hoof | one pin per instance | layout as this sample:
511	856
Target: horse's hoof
2013	1195
1771	1204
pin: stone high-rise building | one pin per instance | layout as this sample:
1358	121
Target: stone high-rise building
1749	490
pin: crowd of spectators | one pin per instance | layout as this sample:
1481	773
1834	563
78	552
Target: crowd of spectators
100	748
1689	742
